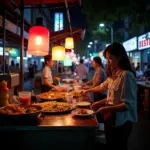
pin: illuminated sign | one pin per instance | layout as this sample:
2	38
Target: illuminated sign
144	41
58	21
68	62
13	52
131	44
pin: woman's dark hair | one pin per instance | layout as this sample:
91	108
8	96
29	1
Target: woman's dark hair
98	60
47	58
119	52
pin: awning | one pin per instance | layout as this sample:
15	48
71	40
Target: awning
78	34
37	2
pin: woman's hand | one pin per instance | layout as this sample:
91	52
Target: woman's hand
101	110
95	105
84	92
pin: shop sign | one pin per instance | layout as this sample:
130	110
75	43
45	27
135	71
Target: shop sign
13	52
1	52
131	44
144	41
58	21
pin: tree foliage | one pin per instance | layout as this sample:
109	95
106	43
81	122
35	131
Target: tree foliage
110	11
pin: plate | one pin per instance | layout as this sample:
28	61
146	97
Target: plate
83	103
68	80
89	112
56	107
52	95
14	115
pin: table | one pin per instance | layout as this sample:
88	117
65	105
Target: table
55	132
146	86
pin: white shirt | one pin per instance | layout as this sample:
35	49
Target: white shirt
139	73
47	74
122	88
81	71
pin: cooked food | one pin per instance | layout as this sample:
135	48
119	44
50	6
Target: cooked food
52	95
77	93
81	111
17	109
56	106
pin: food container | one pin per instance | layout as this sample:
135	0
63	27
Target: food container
25	97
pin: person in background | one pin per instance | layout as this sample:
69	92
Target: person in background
43	65
82	70
147	72
133	66
17	68
35	67
138	65
139	72
145	67
12	67
31	71
120	106
47	79
99	77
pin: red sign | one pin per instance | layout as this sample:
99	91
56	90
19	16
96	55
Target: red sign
144	41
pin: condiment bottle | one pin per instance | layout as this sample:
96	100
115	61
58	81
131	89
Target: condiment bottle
4	94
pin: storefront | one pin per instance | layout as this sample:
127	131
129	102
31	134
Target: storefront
132	50
144	48
13	54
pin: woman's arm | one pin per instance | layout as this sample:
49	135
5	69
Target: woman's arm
116	108
46	82
100	88
89	82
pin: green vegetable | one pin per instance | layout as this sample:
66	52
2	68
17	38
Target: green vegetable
27	111
54	106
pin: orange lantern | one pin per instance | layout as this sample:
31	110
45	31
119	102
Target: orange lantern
38	41
69	43
58	53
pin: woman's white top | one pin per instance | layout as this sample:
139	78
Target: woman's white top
122	88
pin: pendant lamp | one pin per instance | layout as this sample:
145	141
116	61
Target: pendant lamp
38	40
69	43
58	53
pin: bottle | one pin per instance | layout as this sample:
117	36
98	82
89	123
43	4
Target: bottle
33	97
4	94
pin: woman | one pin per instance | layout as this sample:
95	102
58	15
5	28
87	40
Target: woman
99	77
120	105
47	79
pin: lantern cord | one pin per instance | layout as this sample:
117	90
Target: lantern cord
68	16
40	9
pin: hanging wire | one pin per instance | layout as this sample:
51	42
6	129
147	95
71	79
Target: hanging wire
68	16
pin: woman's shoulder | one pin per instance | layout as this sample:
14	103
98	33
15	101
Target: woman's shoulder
128	74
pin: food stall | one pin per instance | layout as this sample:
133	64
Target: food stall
58	125
70	127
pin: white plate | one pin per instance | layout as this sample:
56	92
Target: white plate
83	104
89	113
67	80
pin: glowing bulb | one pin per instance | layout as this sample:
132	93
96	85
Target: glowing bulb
38	40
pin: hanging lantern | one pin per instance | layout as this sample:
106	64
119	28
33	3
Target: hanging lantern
38	41
58	53
69	43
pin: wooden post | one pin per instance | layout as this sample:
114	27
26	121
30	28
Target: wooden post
22	47
4	39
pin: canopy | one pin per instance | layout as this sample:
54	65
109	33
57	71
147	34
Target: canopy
37	2
78	34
